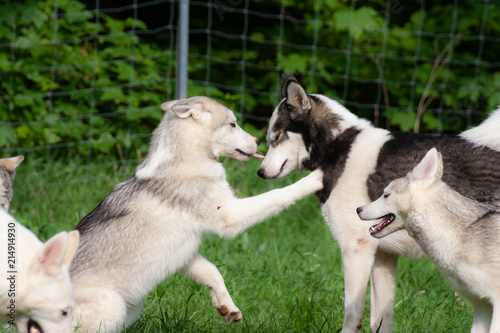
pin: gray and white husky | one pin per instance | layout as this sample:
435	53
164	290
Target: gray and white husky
152	224
359	160
461	236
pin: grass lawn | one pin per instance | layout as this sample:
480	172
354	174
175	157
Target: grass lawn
285	274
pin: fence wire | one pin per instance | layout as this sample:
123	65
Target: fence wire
88	77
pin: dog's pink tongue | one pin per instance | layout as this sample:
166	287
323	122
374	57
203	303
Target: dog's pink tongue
258	156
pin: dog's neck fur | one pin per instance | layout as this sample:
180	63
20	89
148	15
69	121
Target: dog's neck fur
332	131
439	213
168	151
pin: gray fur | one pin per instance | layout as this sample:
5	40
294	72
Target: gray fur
7	172
151	225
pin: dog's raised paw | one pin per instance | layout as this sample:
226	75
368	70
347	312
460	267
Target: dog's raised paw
234	317
223	311
230	317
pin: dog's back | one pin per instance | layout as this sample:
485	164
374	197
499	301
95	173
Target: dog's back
471	170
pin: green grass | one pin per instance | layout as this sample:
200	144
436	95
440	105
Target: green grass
285	274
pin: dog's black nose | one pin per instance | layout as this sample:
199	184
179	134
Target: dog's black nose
258	141
359	210
260	172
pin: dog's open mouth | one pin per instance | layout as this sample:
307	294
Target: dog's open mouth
388	219
33	327
250	155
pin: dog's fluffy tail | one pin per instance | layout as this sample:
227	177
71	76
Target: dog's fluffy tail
487	133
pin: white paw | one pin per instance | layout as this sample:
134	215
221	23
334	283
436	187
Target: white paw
314	180
233	316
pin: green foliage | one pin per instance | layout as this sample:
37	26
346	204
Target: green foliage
74	78
91	82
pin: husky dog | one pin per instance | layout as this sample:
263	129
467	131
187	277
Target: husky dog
359	160
152	224
7	172
36	289
461	236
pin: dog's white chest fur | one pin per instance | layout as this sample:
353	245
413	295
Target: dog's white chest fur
351	188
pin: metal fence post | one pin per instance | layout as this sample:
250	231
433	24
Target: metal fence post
181	70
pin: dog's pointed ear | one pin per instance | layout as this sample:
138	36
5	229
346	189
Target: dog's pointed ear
296	97
11	164
429	169
73	239
188	109
50	259
167	106
285	80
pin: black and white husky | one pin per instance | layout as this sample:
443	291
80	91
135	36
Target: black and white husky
359	160
152	224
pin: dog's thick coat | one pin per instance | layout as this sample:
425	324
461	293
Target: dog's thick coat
152	224
37	294
461	236
359	160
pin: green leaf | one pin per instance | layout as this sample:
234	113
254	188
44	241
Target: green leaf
294	62
23	131
50	136
404	119
114	94
105	142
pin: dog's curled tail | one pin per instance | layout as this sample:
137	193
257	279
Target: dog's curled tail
487	133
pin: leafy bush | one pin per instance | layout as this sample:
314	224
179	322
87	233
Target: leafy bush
74	77
88	81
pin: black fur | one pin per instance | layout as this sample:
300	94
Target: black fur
328	153
334	158
473	172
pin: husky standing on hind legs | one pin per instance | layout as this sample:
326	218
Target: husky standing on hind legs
314	131
152	224
461	236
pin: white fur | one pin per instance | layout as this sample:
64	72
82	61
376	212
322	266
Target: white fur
157	237
347	117
487	134
358	248
446	226
43	289
290	153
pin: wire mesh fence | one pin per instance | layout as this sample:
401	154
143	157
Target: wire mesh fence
87	77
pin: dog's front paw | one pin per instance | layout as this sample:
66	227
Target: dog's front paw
233	316
314	181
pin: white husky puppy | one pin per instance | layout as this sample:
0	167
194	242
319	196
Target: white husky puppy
461	236
152	224
36	294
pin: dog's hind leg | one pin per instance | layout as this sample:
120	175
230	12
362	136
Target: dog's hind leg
99	310
133	313
357	261
482	312
383	288
203	271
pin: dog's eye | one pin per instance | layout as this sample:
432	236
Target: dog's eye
64	312
386	195
233	124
